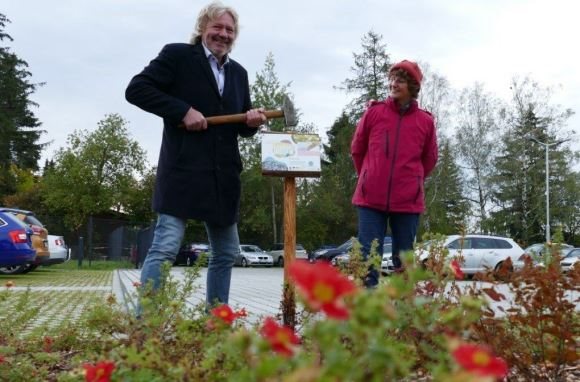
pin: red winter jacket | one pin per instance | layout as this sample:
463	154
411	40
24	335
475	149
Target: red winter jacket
393	153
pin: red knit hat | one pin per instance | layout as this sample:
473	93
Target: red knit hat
410	67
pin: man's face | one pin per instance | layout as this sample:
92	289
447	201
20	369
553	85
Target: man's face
219	35
399	89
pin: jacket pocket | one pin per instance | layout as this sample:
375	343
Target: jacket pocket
362	183
419	188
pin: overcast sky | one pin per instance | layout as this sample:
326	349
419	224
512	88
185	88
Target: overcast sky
87	51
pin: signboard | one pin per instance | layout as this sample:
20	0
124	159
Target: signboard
291	154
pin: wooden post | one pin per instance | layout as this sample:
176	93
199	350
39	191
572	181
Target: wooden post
289	299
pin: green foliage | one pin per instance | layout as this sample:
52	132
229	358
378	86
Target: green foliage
403	330
447	208
370	71
520	168
19	145
95	173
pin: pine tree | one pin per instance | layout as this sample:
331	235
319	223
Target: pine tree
444	194
519	181
19	147
370	69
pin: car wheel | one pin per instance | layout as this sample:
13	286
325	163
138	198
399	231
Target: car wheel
28	268
244	262
14	270
503	273
280	261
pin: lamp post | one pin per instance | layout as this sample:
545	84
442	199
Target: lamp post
547	147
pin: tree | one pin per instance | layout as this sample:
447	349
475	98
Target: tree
259	191
370	69
435	96
476	137
519	181
328	216
95	173
19	147
444	194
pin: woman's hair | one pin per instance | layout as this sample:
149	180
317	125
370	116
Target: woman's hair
413	85
210	13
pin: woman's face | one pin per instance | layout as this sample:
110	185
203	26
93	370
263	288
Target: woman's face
399	88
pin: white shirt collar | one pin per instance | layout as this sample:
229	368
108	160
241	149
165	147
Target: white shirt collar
209	54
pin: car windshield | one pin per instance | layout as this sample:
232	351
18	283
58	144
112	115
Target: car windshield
251	248
33	221
346	245
572	253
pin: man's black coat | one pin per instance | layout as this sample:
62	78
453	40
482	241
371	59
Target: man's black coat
198	174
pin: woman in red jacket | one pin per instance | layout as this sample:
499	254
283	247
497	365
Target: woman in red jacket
394	149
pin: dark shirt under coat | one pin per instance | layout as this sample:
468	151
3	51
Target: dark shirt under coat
198	173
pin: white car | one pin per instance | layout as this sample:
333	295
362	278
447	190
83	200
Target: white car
570	260
480	252
59	252
252	255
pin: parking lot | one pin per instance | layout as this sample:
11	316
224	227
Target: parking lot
259	290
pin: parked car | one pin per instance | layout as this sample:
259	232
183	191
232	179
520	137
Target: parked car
277	253
15	244
480	252
39	237
59	251
322	249
538	249
570	260
386	261
342	249
189	253
252	255
536	253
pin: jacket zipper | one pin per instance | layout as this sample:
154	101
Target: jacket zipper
390	186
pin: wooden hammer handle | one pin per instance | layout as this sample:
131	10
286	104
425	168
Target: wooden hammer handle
238	118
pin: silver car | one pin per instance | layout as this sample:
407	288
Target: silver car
59	252
570	260
252	255
277	253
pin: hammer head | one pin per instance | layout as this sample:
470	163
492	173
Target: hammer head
290	118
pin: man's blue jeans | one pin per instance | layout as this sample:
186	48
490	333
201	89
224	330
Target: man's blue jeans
225	246
372	224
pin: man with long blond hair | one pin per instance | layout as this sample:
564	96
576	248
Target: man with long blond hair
198	174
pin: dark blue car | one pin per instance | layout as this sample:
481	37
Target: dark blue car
15	243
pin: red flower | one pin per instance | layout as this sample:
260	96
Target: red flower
101	372
456	269
47	341
224	313
323	287
9	284
480	360
2	359
281	338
